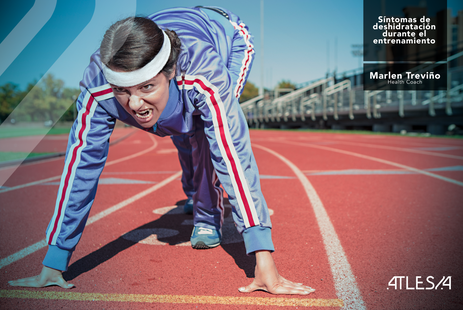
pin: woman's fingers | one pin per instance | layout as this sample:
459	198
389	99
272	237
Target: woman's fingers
290	288
47	277
26	282
297	286
35	282
284	286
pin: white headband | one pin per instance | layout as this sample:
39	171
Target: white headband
151	69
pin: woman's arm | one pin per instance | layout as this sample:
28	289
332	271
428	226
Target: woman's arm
85	158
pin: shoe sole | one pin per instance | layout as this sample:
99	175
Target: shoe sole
202	246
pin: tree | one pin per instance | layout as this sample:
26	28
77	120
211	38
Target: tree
71	113
10	96
48	100
286	84
250	91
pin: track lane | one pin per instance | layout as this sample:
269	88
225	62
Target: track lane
387	162
419	204
359	221
101	237
408	228
417	150
344	280
391	156
400	141
38	218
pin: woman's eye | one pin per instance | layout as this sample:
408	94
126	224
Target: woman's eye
119	90
147	87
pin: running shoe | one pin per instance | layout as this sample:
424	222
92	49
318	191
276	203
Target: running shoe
205	238
188	207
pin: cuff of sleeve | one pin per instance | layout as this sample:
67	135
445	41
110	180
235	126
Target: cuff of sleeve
258	238
57	258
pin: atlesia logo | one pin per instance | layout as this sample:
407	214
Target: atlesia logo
429	284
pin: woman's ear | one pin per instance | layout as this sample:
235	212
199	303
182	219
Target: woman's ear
172	75
174	70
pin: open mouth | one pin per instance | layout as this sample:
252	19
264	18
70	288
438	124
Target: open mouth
144	115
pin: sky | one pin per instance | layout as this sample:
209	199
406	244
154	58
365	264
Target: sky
303	40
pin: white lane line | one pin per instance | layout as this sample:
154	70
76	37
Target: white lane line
41	244
32	163
126	202
344	280
116	161
155	144
7	189
402	149
387	162
23	253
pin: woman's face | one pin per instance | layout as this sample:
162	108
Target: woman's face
145	101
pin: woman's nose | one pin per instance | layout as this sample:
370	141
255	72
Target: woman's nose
135	102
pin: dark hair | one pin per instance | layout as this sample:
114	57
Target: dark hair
131	43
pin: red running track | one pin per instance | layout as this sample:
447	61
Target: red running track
350	213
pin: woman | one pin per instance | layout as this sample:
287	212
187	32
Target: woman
178	72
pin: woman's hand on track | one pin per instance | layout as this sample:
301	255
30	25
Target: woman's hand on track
47	277
267	278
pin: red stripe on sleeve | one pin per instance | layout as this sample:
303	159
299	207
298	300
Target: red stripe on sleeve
70	168
102	92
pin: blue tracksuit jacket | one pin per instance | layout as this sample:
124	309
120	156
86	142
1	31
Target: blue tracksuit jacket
211	71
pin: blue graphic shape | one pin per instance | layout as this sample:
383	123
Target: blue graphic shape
67	21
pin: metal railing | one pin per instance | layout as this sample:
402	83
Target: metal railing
325	99
301	102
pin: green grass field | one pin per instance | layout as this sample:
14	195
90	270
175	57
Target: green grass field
18	131
13	131
9	156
